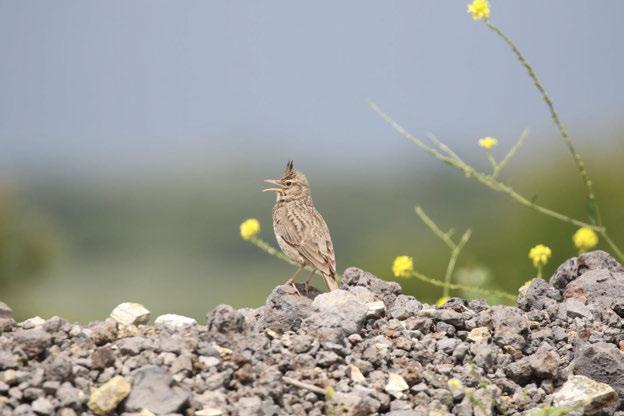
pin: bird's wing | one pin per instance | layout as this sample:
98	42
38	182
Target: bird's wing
288	227
309	235
317	247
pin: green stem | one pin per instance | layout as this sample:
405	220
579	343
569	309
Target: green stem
492	162
612	244
595	215
455	286
486	180
434	228
511	153
453	260
539	271
267	248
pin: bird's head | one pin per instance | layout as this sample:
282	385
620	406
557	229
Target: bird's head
292	184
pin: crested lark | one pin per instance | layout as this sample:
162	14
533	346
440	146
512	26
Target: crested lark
300	230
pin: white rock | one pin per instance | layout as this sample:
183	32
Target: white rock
376	308
480	334
129	313
356	375
396	385
173	321
10	377
592	396
209	411
209	361
33	322
42	406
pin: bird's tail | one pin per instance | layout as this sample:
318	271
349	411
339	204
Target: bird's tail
330	281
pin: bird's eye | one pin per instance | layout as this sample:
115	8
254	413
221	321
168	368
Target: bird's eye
288	183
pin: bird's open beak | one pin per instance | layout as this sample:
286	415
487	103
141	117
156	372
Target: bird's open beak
272	182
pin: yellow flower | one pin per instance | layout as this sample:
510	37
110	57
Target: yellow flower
540	255
249	228
455	384
403	266
479	9
488	142
585	238
442	301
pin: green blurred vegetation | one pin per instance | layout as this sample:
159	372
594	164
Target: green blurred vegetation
174	245
28	241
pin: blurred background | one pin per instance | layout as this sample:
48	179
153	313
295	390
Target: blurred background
135	136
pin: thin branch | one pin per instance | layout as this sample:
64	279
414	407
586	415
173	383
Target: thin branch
444	147
485	179
455	286
612	244
555	117
511	153
492	161
434	227
409	136
305	386
453	260
266	247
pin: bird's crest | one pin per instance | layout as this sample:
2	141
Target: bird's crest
290	170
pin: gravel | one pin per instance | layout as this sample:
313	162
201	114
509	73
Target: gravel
363	349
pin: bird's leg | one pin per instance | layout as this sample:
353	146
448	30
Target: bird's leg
306	284
291	281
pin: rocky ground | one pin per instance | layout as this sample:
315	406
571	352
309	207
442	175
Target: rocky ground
364	349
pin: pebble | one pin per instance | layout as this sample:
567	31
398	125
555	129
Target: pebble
43	406
174	321
5	311
129	313
583	392
363	349
396	385
105	399
31	323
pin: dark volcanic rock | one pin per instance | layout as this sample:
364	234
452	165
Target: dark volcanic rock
404	307
154	389
225	318
387	291
601	289
509	326
601	362
338	309
32	341
363	349
538	295
576	266
285	310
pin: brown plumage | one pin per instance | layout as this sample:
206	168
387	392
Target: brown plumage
300	230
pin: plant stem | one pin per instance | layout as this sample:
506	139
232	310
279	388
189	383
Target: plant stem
485	179
612	244
453	260
454	286
595	215
539	271
492	162
267	248
434	227
511	153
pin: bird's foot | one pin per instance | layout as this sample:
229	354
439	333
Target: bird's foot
291	282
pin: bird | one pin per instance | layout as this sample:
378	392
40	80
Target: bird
300	230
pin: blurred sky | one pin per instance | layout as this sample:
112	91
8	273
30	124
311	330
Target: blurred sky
163	87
